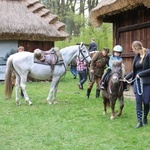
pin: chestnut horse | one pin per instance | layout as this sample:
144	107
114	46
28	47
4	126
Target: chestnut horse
114	89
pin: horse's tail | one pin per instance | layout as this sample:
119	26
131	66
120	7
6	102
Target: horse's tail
8	78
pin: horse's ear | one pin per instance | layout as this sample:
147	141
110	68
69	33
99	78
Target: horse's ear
81	44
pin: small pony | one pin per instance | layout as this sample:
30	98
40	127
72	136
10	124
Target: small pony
114	89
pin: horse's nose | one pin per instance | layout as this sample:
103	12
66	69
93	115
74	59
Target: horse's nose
115	78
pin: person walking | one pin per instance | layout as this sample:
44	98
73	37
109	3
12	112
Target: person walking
98	64
92	45
140	75
82	72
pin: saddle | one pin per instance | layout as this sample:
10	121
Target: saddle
50	57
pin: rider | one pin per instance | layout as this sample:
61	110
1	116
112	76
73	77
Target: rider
117	50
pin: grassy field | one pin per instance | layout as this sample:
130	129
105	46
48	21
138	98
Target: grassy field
75	123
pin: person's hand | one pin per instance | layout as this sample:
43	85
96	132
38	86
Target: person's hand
137	76
91	71
124	80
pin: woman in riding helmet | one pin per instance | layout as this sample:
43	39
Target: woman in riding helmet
117	50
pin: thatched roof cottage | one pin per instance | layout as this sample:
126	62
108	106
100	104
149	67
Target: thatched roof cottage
30	24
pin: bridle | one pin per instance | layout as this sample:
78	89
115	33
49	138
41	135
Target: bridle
119	80
81	53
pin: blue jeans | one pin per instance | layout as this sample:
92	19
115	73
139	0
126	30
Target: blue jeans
73	70
82	76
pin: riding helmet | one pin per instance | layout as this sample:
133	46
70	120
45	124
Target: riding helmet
118	48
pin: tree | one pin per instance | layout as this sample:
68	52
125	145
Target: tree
71	12
74	13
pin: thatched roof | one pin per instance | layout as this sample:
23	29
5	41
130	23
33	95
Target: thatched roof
29	20
111	7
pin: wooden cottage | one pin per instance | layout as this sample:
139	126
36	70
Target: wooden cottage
27	23
131	21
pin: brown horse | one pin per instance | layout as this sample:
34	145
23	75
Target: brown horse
114	89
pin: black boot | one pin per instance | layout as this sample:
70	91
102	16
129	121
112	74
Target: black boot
97	93
145	121
139	117
139	124
88	93
146	111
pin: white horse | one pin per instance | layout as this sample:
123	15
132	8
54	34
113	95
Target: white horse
23	66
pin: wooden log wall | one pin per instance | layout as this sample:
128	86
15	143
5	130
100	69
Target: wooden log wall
130	26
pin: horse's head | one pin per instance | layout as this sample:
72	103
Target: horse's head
117	71
83	53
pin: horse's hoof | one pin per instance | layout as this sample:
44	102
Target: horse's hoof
49	102
18	103
30	103
55	102
104	113
112	117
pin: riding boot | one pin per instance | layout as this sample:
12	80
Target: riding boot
97	93
146	111
88	93
139	117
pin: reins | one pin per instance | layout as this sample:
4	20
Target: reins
80	52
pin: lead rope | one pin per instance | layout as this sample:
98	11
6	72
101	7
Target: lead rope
141	85
137	86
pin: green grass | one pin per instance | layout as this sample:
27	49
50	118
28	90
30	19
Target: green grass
75	123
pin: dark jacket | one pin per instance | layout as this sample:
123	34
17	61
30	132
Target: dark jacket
92	47
145	73
98	63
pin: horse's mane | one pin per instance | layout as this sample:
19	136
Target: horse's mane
118	64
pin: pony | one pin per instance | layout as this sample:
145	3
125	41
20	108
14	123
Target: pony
23	65
114	89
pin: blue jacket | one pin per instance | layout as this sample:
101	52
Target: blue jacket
113	57
145	73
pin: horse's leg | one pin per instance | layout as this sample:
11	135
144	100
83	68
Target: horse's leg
53	90
105	106
17	89
112	105
121	100
23	87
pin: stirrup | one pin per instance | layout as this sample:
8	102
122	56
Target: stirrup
102	87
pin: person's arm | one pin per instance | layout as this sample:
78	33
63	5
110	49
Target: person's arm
94	59
129	75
